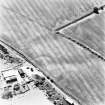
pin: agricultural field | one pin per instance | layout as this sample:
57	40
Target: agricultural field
28	26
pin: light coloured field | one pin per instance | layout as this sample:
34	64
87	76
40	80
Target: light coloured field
91	33
28	27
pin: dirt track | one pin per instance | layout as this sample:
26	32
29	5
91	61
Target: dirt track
28	26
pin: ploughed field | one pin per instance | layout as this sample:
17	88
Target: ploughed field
28	26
